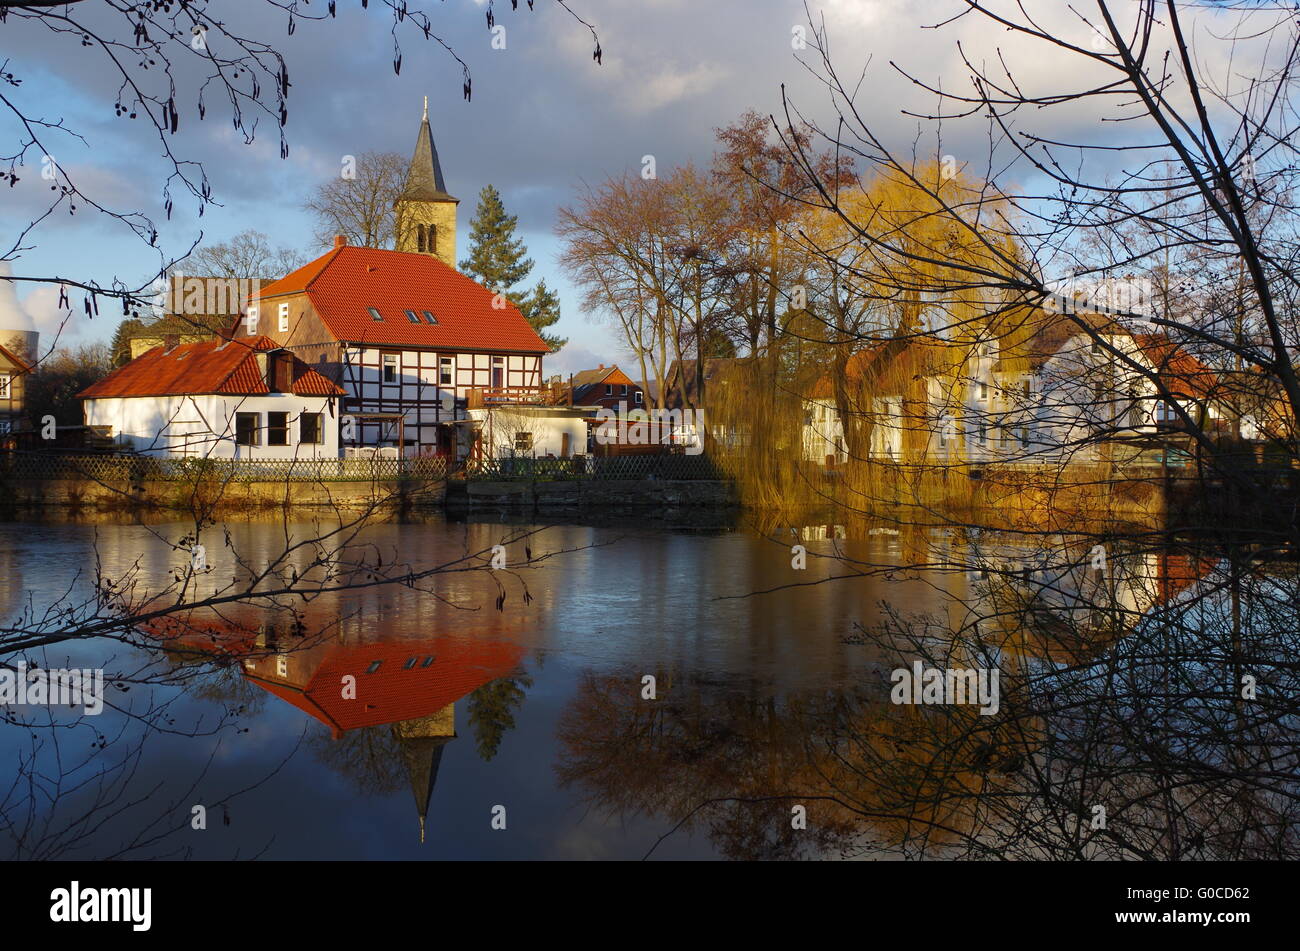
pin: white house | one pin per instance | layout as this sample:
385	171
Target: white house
1057	398
509	430
244	398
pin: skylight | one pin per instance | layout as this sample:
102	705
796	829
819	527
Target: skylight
374	314
429	318
412	316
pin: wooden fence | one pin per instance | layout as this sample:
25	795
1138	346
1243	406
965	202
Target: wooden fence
111	468
118	468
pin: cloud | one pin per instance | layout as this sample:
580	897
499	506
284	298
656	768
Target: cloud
544	116
55	325
572	359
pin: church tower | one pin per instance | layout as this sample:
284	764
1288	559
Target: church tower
426	214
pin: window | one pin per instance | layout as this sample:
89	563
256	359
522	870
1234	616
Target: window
498	372
374	666
4	385
446	371
429	318
639	398
1096	345
412	316
1024	437
984	390
390	368
523	442
309	428
623	391
246	429
609	390
427	660
251	320
282	665
284	318
410	663
277	429
374	314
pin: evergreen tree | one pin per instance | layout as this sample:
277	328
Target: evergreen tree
541	308
498	260
492	711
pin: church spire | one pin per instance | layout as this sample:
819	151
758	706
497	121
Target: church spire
426	213
421	741
424	175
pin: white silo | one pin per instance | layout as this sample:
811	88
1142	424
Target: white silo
18	333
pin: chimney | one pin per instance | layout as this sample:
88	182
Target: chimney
171	342
340	241
601	367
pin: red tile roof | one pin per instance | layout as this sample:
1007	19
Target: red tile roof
212	366
860	366
390	693
342	283
1181	373
393	692
18	361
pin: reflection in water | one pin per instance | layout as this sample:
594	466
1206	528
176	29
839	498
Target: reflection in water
408	686
1120	663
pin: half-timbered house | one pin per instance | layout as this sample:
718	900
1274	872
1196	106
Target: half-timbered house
412	341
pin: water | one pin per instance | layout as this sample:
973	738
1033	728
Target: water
471	707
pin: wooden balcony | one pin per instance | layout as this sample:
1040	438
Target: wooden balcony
484	397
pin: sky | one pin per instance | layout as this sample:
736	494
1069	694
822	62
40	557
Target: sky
544	118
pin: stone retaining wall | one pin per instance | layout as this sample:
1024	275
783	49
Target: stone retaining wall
606	494
183	496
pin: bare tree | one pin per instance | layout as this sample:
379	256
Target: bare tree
360	205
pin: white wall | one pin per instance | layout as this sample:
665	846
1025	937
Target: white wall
501	424
205	425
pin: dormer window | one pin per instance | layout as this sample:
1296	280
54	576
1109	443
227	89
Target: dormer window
374	314
412	316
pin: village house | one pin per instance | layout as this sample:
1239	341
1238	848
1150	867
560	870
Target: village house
240	398
414	343
13	390
606	388
1052	391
